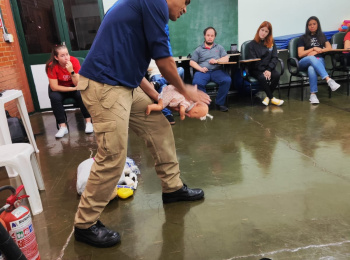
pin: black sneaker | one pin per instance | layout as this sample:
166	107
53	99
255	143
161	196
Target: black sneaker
170	119
97	235
183	194
222	108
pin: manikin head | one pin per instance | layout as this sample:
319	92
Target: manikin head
199	110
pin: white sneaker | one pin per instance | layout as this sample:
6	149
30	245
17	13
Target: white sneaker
266	101
333	85
63	131
313	99
89	128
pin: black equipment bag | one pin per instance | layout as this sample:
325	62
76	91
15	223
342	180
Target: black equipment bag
17	131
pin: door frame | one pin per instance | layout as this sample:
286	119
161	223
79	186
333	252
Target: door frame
34	59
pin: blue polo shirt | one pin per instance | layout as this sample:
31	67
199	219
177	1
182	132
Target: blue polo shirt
202	56
131	33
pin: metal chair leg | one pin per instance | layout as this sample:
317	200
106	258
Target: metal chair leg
279	90
251	93
348	80
290	81
302	91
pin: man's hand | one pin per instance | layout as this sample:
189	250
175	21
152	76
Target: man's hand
203	70
192	93
213	61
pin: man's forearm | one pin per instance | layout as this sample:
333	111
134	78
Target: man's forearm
168	69
148	88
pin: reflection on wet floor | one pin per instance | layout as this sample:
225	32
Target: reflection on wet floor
276	185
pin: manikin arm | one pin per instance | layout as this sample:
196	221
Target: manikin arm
155	107
182	112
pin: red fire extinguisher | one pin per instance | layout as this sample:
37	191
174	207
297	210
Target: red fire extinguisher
19	224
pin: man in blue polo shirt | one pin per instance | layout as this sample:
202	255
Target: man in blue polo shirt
131	33
205	60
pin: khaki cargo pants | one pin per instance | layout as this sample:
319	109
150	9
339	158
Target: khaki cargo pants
113	110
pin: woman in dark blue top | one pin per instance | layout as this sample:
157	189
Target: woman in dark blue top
311	48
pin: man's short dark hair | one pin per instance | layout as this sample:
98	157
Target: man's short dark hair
206	29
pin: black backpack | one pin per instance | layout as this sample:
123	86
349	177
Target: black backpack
17	131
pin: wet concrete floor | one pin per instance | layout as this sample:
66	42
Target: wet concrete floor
276	183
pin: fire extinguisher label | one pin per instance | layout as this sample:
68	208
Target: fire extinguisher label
19	211
20	222
22	232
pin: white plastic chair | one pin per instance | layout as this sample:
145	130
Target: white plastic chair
21	157
5	136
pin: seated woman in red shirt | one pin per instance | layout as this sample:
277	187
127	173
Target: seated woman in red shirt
62	71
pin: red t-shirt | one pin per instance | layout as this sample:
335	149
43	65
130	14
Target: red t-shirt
62	75
347	37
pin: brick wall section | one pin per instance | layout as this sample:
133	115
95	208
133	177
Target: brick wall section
12	72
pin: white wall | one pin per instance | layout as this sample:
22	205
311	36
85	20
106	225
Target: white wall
107	4
41	85
289	17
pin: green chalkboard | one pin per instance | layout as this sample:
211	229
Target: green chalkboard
187	32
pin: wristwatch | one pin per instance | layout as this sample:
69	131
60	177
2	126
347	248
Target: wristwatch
72	73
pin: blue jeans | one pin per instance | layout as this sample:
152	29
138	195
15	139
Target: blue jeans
163	82
219	77
314	66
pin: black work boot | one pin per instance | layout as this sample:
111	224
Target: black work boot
183	194
97	235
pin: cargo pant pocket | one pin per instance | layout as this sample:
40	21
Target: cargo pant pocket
107	137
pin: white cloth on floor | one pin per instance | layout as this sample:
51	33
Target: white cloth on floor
128	177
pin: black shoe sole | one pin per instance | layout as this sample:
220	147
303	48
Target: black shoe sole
101	245
193	198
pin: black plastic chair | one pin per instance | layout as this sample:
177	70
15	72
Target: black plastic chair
244	64
212	88
339	60
293	67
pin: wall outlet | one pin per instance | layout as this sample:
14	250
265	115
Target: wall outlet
8	37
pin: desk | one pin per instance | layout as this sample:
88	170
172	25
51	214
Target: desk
178	60
250	60
338	50
5	136
226	68
227	62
